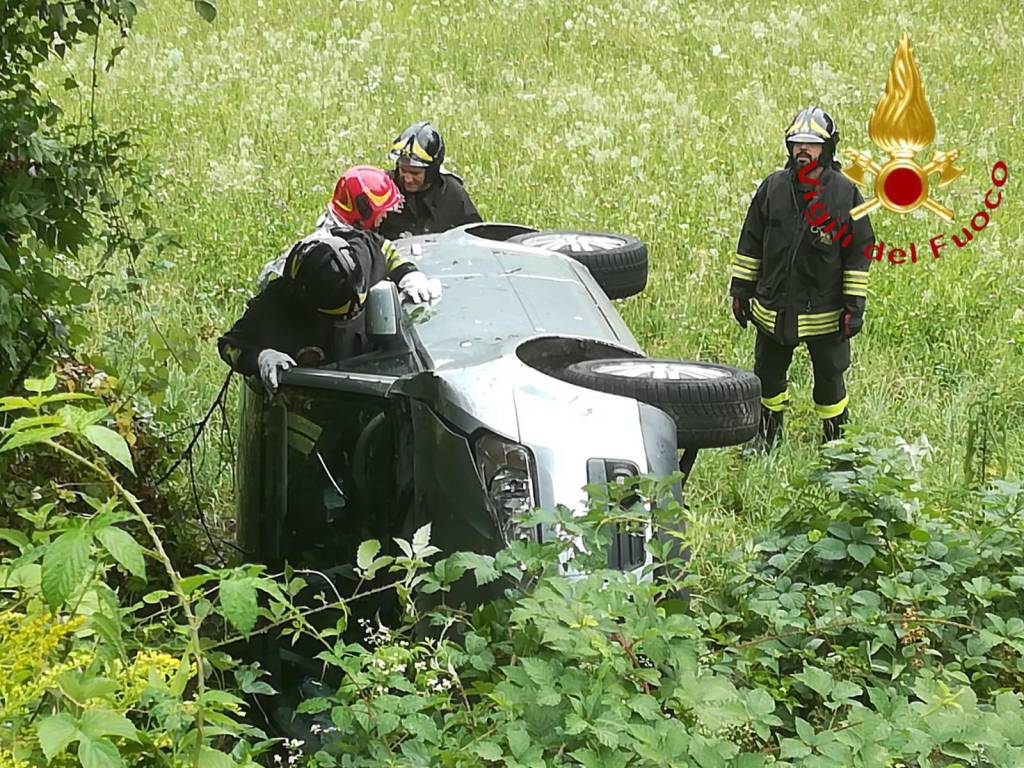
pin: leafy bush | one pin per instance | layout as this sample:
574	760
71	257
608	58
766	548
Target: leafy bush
100	657
873	627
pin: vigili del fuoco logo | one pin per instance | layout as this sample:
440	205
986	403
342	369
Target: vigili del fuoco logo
902	125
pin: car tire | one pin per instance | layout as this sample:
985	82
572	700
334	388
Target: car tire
713	405
617	262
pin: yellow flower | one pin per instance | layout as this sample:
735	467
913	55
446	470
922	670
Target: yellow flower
28	646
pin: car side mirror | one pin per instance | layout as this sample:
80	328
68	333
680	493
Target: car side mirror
384	316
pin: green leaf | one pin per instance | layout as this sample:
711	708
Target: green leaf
124	549
818	680
313	706
862	553
65	566
17	538
482	566
111	443
421	539
487	750
98	753
518	740
238	602
844	689
81	688
830	549
191	583
805	731
55	733
96	723
41	385
214	758
61	397
78	293
30	436
14	404
207	9
366	552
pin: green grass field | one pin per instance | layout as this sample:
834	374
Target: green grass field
652	118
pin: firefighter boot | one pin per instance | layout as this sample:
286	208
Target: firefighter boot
769	432
832	429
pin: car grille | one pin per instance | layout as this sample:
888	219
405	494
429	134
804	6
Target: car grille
626	550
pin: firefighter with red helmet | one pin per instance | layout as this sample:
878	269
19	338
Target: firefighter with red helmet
800	274
435	198
312	315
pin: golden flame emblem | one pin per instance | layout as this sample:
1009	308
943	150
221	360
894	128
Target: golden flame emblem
902	124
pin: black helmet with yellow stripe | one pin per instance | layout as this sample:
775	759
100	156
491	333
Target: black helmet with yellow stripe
326	276
419	145
814	126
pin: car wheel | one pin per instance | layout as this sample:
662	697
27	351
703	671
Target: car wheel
617	262
713	405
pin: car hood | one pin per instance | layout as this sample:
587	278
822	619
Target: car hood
497	295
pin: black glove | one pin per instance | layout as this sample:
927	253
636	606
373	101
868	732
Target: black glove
850	324
741	310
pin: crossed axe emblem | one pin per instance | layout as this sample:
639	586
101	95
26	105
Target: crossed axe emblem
901	185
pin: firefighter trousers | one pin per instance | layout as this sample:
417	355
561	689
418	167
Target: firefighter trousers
830	357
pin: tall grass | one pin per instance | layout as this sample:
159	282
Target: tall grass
641	116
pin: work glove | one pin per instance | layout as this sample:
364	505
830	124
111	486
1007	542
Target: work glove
270	363
741	310
850	324
416	287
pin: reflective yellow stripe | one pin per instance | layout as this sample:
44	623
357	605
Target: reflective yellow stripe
763	316
819	326
233	353
815	323
302	433
747	261
743	273
831	411
343	309
805	332
855	283
818	128
832	314
757	306
420	151
392	258
776	403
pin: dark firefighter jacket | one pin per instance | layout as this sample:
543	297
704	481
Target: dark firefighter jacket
443	205
800	276
277	318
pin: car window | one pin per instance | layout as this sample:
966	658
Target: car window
345	480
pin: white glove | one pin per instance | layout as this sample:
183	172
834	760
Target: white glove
416	287
270	363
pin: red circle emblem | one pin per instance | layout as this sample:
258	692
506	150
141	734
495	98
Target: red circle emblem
903	186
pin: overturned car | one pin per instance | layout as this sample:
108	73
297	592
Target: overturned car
516	390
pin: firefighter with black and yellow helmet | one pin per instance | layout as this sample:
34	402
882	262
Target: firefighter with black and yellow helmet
436	200
800	274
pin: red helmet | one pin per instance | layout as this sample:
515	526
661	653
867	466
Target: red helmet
363	195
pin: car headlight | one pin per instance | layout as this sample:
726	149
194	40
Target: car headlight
506	470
